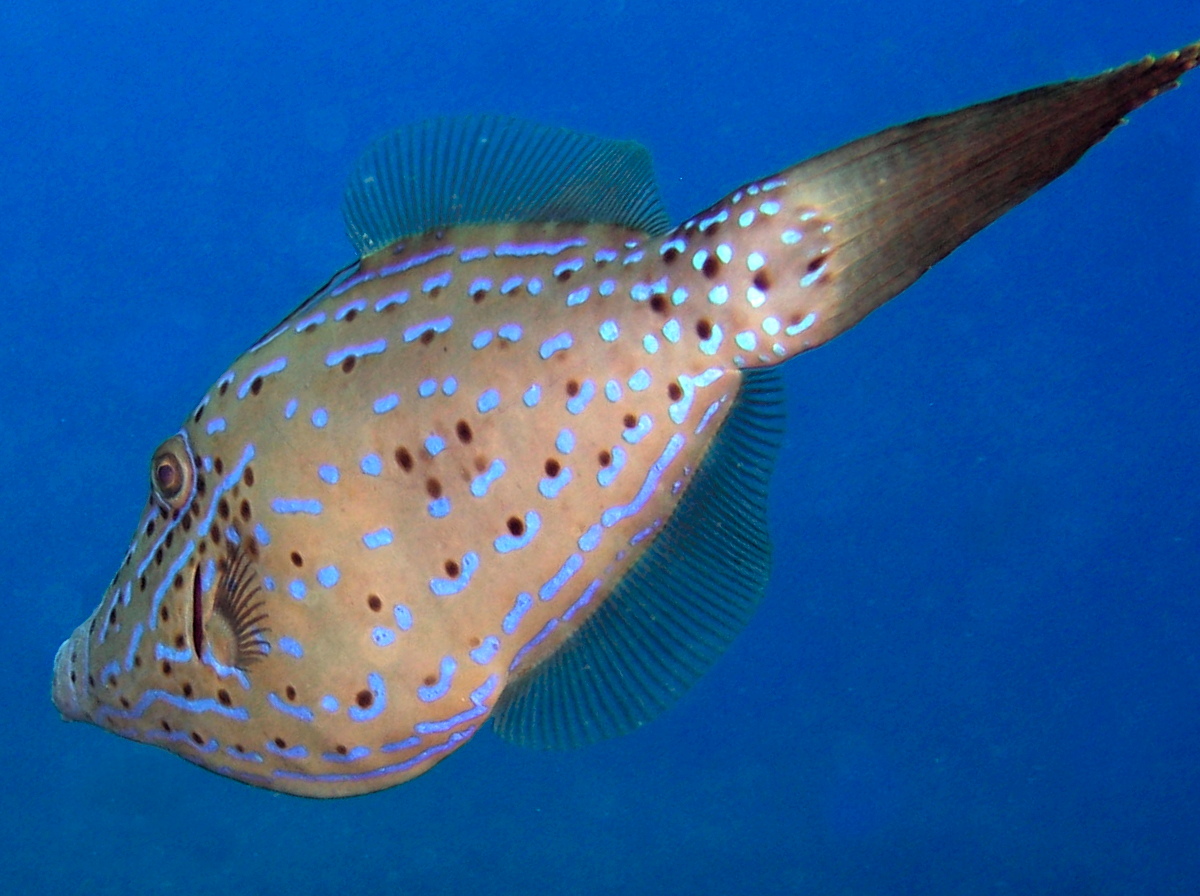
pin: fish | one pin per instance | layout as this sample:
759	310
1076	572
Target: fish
511	464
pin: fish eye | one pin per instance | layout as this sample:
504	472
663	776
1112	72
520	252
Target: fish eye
171	473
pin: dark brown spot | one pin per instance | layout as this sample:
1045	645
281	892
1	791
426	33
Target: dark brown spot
463	430
125	703
430	680
178	582
674	392
197	739
630	421
452	568
605	458
150	527
248	477
762	281
256	385
223	509
670	255
658	303
516	526
180	641
291	692
142	586
281	743
112	615
473	643
478	295
364	699
815	264
244	510
348	363
341	749
187	690
224	388
404	459
163	613
168	540
201	484
710	267
216	536
427	336
166	667
158	555
186	522
137	663
297	560
564	275
219	466
572	388
350	315
199	413
166	726
704	329
223	697
433	487
374	602
552	467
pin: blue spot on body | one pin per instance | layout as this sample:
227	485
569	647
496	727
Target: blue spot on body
510	332
320	418
403	616
385	404
382	637
565	442
427	388
329	703
558	343
551	486
291	647
328	473
485	651
328	576
297	589
435	445
371	465
439	507
488	401
481	483
578	403
377	539
520	607
532	396
296	505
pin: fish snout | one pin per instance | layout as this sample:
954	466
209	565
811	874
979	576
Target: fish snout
70	676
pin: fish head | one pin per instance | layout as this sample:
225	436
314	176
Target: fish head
195	646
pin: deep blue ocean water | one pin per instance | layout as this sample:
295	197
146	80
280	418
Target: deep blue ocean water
978	668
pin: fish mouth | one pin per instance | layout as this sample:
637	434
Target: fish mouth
70	681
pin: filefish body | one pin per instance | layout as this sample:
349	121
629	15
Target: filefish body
512	463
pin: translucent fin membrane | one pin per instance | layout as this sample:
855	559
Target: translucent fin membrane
484	169
680	606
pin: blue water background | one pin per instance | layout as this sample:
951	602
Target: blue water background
978	667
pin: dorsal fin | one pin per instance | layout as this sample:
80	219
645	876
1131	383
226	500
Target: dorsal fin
681	605
486	168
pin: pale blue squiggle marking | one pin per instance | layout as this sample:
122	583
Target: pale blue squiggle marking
520	607
584	599
549	590
438	325
614	515
378	689
447	587
378	539
578	403
427	693
479	707
508	542
481	483
533	642
291	647
298	712
266	370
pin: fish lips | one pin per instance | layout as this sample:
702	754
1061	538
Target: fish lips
69	687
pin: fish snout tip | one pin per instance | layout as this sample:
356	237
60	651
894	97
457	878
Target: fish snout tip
67	686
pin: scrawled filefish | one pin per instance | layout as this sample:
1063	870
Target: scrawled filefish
512	463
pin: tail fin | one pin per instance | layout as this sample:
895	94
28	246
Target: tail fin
867	219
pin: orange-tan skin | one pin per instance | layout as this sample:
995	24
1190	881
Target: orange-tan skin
850	230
